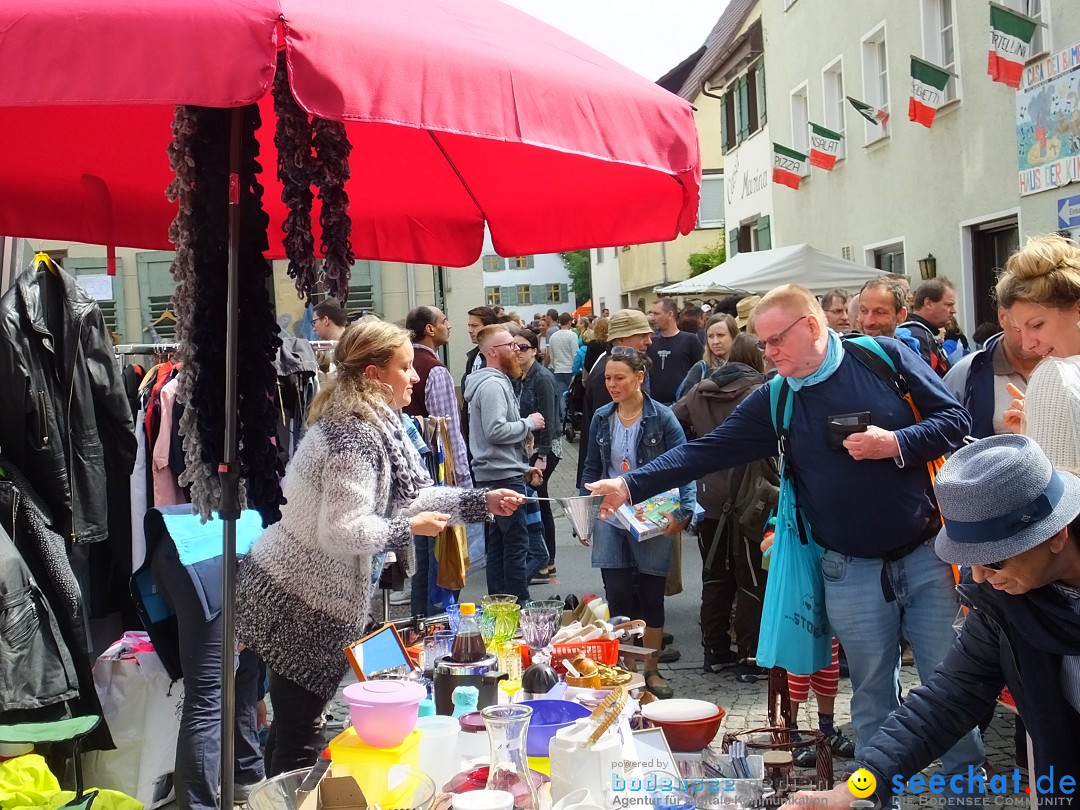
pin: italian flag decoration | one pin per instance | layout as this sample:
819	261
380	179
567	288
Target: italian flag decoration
788	166
869	112
1010	44
824	147
927	91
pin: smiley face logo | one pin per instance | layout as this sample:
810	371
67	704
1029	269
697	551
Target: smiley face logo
861	783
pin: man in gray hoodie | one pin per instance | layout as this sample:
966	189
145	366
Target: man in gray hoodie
497	435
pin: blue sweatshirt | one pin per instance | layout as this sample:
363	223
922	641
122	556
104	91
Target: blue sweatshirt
859	508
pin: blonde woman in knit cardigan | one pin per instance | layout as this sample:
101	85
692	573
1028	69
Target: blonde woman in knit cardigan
1040	289
355	487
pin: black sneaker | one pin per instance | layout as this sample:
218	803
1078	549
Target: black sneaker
667	639
750	673
718	662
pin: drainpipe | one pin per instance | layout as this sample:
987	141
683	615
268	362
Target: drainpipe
410	285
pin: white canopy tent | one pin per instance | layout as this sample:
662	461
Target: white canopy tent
761	270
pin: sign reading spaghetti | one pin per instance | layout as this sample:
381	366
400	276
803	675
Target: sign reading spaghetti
1048	122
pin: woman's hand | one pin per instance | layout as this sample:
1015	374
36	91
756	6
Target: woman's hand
429	524
503	502
674	528
1014	416
534	477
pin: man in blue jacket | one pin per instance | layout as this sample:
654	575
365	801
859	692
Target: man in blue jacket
1016	521
869	502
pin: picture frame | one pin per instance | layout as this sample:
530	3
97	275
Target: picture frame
378	651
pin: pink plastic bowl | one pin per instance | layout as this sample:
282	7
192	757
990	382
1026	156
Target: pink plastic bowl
384	712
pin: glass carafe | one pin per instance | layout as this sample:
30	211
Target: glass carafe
507	727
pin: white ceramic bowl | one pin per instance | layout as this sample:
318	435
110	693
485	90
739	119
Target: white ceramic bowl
679	710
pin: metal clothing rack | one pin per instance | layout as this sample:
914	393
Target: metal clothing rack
165	348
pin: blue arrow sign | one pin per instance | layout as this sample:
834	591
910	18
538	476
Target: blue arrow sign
1069	212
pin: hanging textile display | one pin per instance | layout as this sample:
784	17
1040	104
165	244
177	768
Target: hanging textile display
313	152
200	157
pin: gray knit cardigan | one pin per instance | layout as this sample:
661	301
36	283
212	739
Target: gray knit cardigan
304	591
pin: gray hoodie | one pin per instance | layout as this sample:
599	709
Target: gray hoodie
496	430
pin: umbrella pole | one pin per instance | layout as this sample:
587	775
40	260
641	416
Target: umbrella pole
229	473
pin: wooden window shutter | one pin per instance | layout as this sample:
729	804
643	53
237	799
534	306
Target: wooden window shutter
764	233
733	242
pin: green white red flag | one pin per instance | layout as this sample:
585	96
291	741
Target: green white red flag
788	166
869	112
1010	44
927	91
824	147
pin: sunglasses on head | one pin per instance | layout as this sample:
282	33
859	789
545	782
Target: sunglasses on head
624	351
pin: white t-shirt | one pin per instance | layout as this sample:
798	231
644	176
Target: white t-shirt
562	346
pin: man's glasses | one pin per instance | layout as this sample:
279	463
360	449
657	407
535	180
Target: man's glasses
777	339
524	347
511	343
624	351
838	311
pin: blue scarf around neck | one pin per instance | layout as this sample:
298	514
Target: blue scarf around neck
833	358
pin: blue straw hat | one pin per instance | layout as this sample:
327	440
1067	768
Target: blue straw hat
1000	497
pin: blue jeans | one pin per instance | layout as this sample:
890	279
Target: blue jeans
508	546
870	629
427	572
198	748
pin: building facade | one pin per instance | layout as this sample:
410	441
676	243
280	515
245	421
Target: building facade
526	284
993	168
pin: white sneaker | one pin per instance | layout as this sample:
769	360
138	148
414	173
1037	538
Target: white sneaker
400	597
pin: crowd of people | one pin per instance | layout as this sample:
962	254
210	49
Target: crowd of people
686	398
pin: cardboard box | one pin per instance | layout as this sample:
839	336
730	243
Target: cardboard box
651	517
324	791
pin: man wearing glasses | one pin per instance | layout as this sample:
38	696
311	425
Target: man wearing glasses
497	434
1016	521
835	303
329	319
868	498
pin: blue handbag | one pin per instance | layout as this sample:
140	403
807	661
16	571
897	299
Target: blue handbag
795	630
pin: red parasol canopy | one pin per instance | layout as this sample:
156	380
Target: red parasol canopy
460	112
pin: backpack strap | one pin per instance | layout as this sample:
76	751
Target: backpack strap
868	351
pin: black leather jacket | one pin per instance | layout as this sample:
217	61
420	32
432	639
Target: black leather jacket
64	418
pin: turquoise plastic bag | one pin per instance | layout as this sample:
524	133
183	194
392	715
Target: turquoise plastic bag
794	628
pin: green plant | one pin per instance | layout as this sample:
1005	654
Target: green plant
579	266
707	259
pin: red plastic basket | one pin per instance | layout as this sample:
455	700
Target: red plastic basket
602	651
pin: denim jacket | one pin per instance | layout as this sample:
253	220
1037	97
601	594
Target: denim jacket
660	431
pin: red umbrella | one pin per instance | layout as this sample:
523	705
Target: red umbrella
459	113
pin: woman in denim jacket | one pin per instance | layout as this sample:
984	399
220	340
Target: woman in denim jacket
630	431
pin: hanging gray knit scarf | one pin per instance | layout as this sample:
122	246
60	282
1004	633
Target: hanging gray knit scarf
407	472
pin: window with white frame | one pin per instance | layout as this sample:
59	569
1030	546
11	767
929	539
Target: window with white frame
1038	10
875	70
832	94
800	119
939	42
711	208
888	258
742	107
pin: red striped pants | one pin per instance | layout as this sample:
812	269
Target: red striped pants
825	682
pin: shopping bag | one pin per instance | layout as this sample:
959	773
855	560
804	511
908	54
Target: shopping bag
142	706
794	631
452	552
673	584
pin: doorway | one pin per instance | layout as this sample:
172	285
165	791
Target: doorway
991	245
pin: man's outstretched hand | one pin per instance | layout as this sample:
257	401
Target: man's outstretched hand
614	491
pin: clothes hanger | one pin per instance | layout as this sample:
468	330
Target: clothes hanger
166	315
47	260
